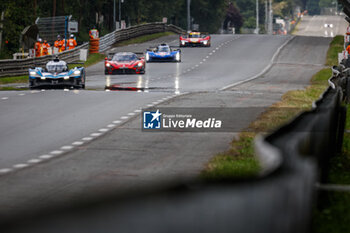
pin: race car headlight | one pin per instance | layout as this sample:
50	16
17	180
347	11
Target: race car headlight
77	72
108	65
177	57
205	42
66	77
147	57
183	42
139	65
32	73
43	77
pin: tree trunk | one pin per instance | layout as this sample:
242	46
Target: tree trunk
1	27
35	4
54	8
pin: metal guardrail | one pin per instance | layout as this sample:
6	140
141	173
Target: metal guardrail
20	67
135	31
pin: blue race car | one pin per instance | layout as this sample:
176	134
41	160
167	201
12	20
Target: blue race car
164	53
56	73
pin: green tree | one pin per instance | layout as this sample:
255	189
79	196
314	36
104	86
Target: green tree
15	20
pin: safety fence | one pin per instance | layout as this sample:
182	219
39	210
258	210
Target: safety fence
293	158
21	66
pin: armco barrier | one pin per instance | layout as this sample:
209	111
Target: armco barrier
294	159
20	67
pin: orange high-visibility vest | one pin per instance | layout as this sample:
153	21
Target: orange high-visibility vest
37	48
45	47
60	45
71	44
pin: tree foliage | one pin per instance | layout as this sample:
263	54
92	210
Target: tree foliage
209	14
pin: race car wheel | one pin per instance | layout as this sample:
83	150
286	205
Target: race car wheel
31	85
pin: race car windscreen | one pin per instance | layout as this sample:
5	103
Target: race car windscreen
163	49
194	36
124	57
56	68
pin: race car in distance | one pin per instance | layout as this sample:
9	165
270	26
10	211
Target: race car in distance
56	73
195	39
124	63
163	52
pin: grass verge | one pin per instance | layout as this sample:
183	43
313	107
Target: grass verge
15	79
92	60
145	38
337	46
239	160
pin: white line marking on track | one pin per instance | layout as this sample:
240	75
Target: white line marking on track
45	156
131	114
21	94
264	70
124	117
56	152
5	170
67	147
117	122
95	134
103	130
34	161
111	126
87	139
137	111
77	143
21	165
4	98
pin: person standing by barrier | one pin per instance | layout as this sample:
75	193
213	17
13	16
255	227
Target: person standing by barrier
38	48
59	44
71	43
45	48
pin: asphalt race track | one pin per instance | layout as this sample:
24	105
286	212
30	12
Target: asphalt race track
325	26
59	145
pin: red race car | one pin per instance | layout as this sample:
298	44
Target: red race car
195	39
124	63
